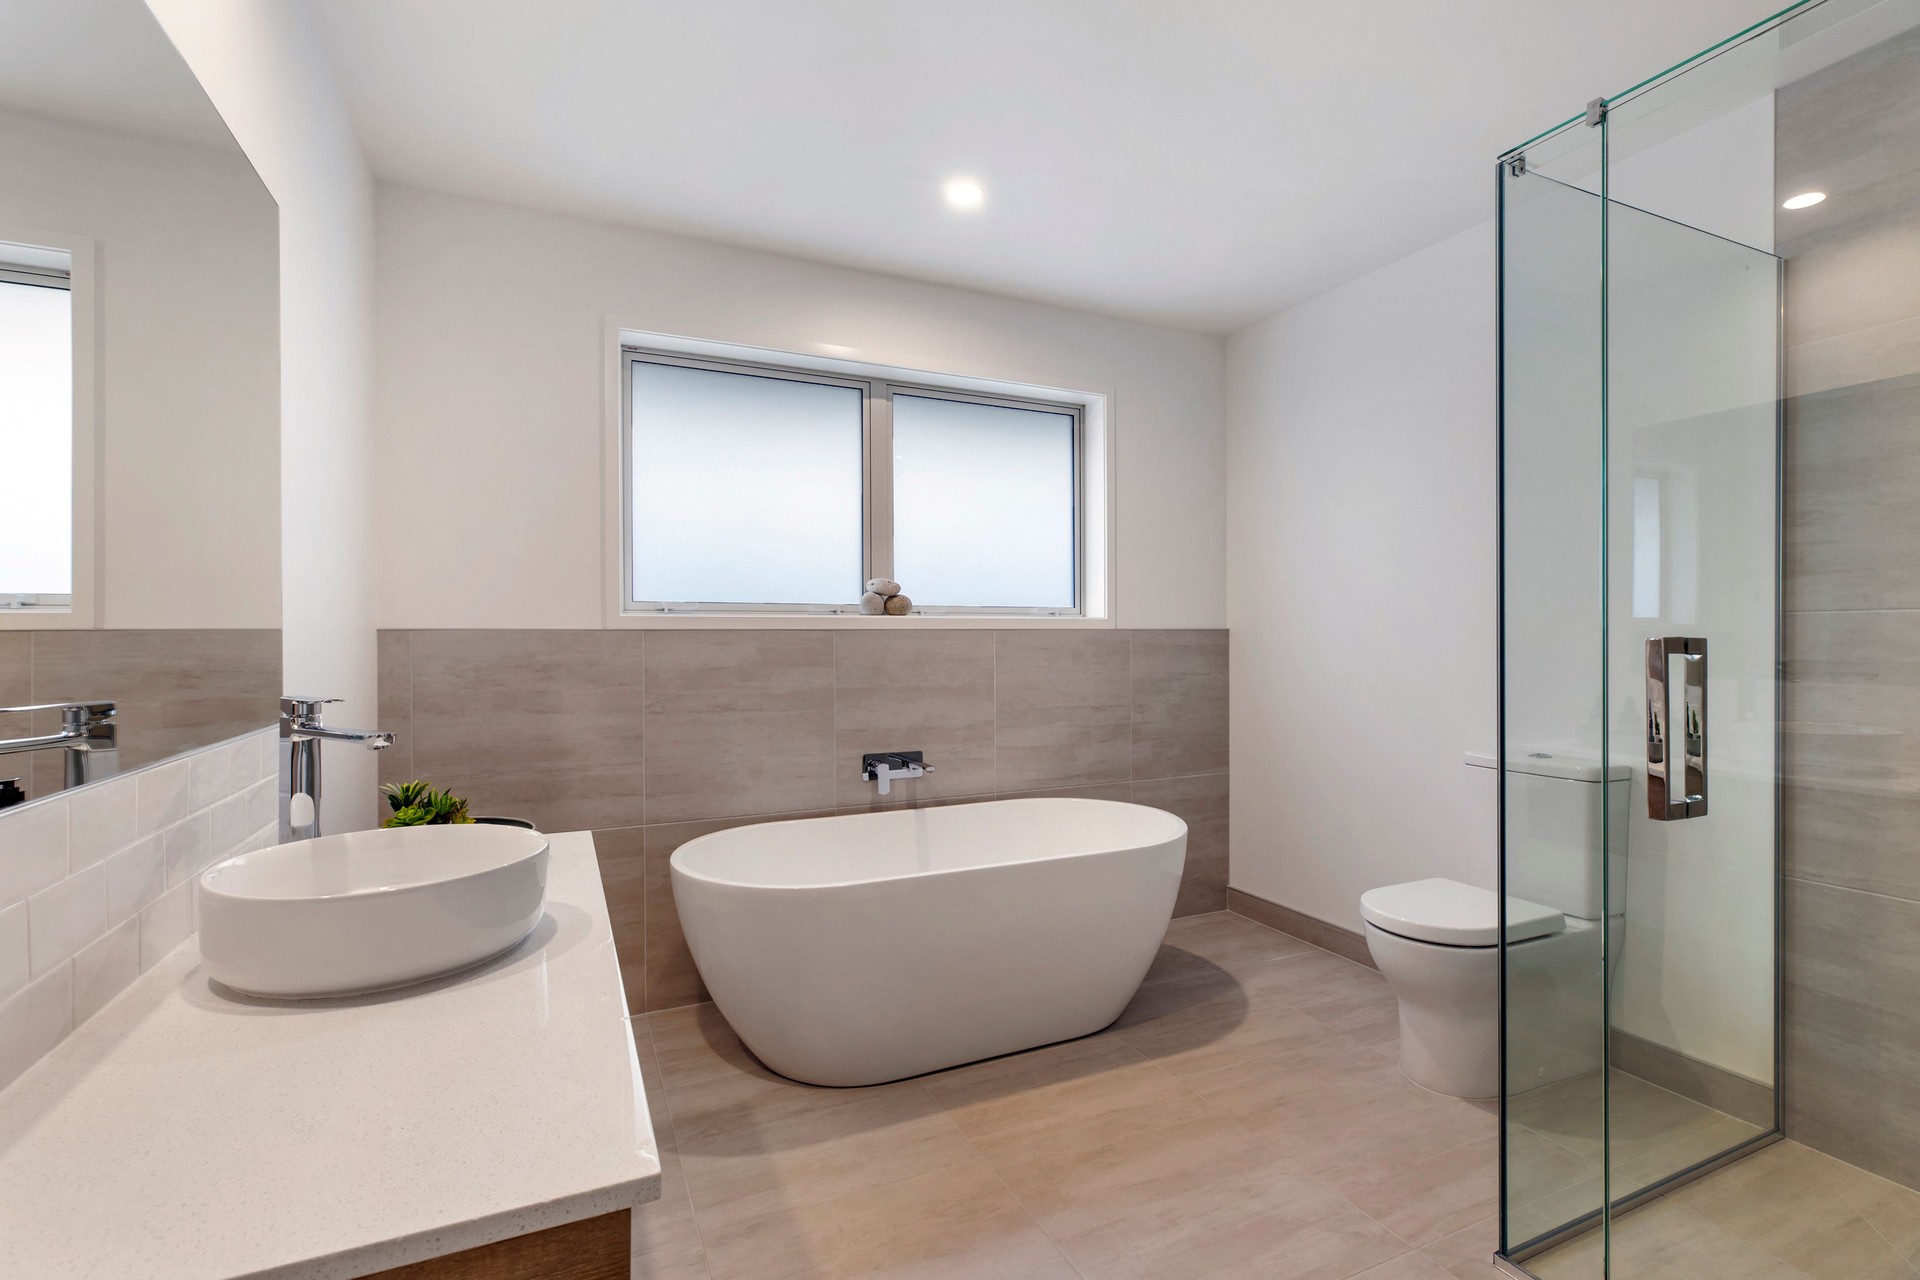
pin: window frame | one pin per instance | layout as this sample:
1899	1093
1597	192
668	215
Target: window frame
877	387
82	608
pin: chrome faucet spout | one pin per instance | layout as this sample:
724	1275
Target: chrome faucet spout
374	739
301	734
887	767
88	735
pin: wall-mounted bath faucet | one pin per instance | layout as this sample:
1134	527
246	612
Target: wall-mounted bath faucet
885	767
87	734
301	734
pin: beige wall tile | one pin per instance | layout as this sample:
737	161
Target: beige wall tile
1202	804
1179	681
672	979
1852	528
623	878
176	690
928	691
738	723
543	725
16	674
1853	1024
1855	839
396	706
1064	709
1120	791
1852	692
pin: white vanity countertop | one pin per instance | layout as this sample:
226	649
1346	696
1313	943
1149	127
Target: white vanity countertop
186	1134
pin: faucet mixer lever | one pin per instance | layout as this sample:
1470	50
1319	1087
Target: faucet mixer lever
885	767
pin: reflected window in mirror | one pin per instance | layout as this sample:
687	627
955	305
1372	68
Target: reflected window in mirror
36	428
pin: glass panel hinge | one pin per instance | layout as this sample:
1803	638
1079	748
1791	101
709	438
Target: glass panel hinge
1596	112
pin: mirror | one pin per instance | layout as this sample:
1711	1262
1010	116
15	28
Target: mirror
139	405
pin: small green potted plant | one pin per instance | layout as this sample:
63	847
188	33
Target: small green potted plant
419	804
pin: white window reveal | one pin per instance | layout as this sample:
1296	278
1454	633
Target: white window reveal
36	429
769	489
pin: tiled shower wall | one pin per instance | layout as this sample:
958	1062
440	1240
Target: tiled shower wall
96	884
649	738
1852	693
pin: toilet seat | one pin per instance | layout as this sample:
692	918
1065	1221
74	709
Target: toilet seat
1450	914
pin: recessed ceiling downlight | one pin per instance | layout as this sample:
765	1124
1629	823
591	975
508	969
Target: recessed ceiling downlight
1805	200
963	193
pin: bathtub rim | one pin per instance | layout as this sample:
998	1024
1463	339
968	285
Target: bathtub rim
677	867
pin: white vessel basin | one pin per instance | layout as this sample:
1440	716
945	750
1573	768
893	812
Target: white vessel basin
369	910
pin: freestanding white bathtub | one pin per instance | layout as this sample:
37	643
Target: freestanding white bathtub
865	948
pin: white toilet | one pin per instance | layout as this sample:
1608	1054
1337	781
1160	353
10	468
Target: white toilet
1437	941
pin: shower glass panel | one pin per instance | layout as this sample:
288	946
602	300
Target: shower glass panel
1710	510
1553	479
1693	415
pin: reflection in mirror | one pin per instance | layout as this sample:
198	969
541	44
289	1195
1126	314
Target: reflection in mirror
139	405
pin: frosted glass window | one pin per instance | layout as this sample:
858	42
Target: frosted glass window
983	504
36	441
746	488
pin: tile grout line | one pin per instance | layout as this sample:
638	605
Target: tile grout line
946	1113
666	1099
1858	1212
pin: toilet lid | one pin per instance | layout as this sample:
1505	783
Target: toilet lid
1452	914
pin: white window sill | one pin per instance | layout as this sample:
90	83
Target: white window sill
731	621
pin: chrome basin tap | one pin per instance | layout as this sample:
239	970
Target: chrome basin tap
87	734
301	734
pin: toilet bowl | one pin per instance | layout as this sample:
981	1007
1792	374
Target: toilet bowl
1437	943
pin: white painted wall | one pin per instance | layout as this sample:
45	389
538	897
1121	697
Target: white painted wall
188	404
265	69
491	371
1361	518
1361	522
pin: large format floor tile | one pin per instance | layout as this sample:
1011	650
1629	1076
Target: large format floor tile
1245	1117
1180	1142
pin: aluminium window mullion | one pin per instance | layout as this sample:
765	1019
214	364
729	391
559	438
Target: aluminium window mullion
879	481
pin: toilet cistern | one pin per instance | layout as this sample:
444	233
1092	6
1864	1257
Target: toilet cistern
885	767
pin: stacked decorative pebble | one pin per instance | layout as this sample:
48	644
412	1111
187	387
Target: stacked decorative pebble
883	596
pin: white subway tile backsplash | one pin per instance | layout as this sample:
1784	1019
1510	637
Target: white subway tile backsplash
189	848
162	796
165	925
211	775
65	917
98	885
137	875
13	949
230	825
104	968
33	1021
263	803
33	848
102	821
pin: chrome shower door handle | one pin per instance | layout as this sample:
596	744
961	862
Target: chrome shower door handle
1676	764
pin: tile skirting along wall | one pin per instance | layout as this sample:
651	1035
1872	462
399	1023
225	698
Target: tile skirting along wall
1328	937
648	738
96	885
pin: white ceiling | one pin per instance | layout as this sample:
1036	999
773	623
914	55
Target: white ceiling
1196	162
104	62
